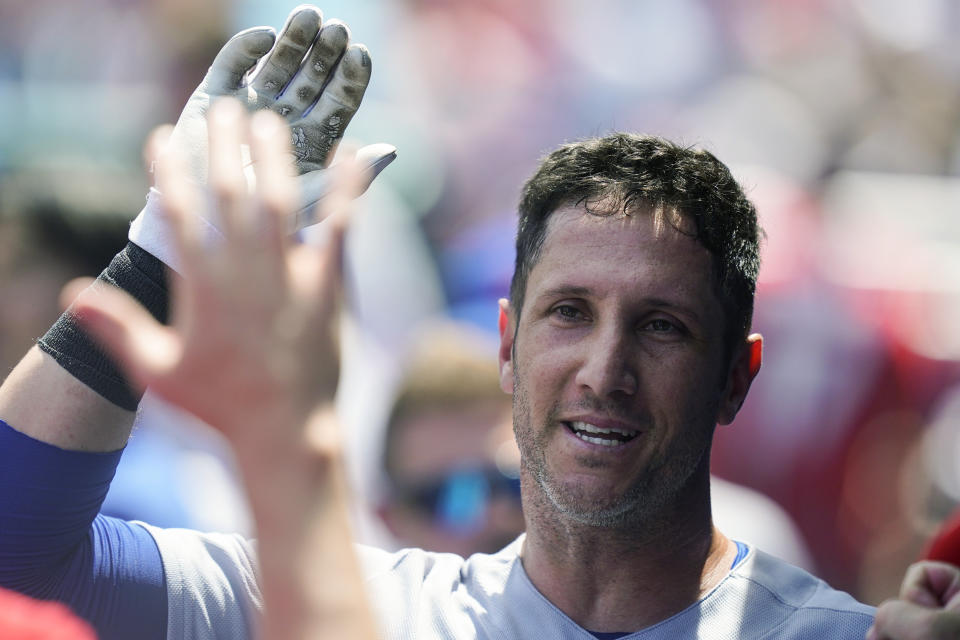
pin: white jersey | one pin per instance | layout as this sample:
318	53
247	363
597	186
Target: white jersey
421	595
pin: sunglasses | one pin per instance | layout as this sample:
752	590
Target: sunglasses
458	500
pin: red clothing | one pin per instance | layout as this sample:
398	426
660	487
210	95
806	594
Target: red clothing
23	618
945	546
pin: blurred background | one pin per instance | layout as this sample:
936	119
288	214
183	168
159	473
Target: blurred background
839	116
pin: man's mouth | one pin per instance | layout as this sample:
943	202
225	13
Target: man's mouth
602	436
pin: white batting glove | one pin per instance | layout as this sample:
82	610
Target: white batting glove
312	76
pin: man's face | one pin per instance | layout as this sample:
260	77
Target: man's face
617	365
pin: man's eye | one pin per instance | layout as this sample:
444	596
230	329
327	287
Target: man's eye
566	312
661	326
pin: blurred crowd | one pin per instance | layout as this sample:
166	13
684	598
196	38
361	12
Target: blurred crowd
841	117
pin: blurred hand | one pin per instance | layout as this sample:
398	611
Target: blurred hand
312	76
928	607
250	349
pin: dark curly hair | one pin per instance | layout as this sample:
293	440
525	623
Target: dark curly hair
629	173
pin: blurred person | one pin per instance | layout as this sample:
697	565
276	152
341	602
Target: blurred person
493	68
43	245
451	466
624	343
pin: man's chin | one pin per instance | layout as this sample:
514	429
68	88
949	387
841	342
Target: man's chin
591	506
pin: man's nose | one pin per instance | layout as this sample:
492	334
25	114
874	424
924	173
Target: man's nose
606	366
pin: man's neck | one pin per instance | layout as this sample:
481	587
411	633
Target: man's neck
624	579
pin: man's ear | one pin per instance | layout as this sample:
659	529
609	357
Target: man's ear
743	369
505	324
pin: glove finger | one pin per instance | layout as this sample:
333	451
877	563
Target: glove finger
371	160
303	90
236	58
324	124
283	61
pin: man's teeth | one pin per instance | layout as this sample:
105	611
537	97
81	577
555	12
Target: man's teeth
589	428
604	441
581	429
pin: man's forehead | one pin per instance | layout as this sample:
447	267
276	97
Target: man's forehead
595	218
637	250
615	206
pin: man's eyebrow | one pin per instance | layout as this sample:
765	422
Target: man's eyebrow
670	305
565	290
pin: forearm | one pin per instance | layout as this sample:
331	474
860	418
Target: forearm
311	578
42	400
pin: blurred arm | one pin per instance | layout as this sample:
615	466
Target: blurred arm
42	400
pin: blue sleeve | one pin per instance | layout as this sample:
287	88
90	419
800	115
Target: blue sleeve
55	546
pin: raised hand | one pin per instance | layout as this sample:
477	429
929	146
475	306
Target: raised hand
251	351
288	80
252	316
312	76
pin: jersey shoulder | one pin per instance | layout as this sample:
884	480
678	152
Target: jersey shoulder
211	578
784	601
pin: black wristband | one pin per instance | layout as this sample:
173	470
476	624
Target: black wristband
144	277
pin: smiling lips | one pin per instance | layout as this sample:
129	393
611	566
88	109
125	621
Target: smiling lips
597	435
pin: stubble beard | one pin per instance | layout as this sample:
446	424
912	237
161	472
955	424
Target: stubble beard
644	506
